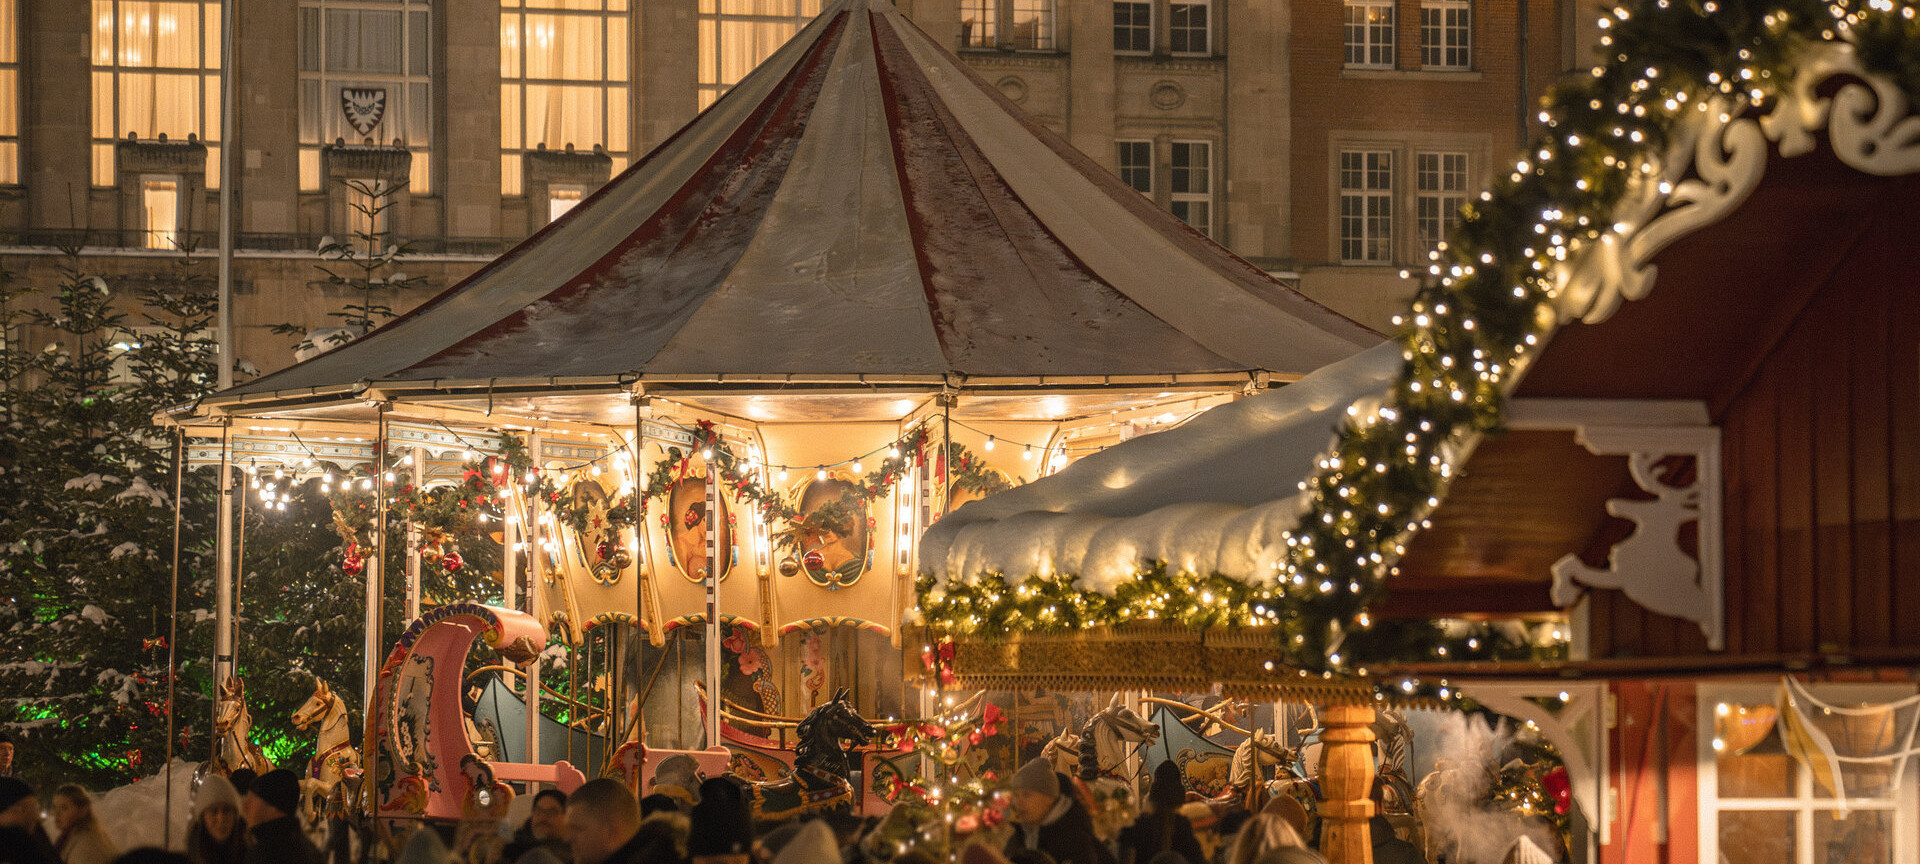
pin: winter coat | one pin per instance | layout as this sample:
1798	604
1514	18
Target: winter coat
523	842
1159	831
26	846
1389	848
87	844
280	842
1066	835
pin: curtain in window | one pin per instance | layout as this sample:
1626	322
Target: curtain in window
364	40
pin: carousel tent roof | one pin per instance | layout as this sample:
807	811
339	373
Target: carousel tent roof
861	205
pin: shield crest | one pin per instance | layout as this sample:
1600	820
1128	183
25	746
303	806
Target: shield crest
363	107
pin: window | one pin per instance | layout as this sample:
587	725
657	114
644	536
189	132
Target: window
736	36
1445	35
364	77
1030	24
560	199
1441	189
1187	30
1369	33
1366	206
1759	802
1191	183
9	93
1136	165
156	70
563	74
367	218
160	212
1133	28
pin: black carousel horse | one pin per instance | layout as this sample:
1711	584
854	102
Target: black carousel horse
821	779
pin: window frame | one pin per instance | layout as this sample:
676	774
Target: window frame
1206	32
1121	166
1448	216
1429	47
615	90
1367	45
1150	30
713	26
420	170
10	85
1805	805
997	32
1175	197
105	168
162	238
1365	194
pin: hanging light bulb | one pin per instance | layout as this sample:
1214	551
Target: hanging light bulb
989	442
279	473
783	473
327	477
706	453
595	469
366	482
857	469
820	474
1028	453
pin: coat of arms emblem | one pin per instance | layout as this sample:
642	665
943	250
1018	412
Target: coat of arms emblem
363	107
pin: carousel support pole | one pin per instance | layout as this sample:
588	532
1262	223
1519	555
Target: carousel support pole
1348	784
238	607
536	569
416	476
375	572
715	699
223	567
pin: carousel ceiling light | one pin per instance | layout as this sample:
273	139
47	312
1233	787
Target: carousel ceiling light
858	468
1028	454
820	474
989	442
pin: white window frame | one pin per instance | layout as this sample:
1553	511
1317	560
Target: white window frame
615	98
714	26
997	25
1447	202
1132	52
152	237
1122	166
562	197
111	64
1366	196
1370	48
1206	36
1176	197
1434	43
414	14
1905	806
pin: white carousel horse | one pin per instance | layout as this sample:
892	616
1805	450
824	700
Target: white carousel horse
233	728
1115	727
333	754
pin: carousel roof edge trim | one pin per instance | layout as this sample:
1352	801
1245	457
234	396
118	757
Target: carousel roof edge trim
1858	661
1563	238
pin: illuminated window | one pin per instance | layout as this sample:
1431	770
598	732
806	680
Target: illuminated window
1369	33
977	19
1136	165
367	204
1028	24
737	35
1191	184
1032	25
9	92
563	74
1188	29
364	77
1133	27
1366	206
1445	38
560	199
1441	184
156	70
160	212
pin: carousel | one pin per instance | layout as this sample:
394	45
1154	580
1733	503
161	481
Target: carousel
705	418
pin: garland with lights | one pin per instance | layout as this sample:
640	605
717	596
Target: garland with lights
971	474
1483	307
839	516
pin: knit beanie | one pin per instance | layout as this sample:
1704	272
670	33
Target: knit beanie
279	788
1036	776
214	789
720	824
12	789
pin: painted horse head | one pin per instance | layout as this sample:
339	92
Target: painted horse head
231	709
319	707
823	730
1111	730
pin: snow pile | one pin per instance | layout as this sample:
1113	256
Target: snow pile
1212	496
134	814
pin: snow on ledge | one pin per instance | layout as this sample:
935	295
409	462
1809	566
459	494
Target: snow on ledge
1215	495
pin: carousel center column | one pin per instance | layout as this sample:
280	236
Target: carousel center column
1348	784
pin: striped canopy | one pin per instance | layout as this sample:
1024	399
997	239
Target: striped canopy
861	205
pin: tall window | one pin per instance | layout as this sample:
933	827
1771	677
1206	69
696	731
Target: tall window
1188	27
1191	184
1441	189
1136	165
1366	206
1133	27
9	93
1020	24
156	70
1761	803
737	35
364	67
563	74
1369	33
1446	38
160	212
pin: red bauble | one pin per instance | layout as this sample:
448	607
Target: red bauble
452	562
814	560
353	565
605	550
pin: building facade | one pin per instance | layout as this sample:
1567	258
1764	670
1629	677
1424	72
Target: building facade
1325	141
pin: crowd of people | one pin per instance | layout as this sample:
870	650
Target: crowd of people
247	819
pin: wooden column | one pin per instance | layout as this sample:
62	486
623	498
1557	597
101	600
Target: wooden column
1347	784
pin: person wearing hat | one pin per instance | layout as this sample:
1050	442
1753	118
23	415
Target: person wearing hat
1162	828
1047	819
268	807
215	836
6	754
720	826
22	840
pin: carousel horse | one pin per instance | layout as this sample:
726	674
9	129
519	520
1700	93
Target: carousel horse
1111	730
333	755
820	780
233	728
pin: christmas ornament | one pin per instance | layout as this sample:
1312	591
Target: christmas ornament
814	560
452	562
788	566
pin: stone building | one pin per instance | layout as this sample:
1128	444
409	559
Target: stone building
1325	141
